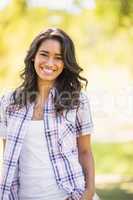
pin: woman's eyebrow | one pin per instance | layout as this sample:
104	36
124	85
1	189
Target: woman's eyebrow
43	51
47	52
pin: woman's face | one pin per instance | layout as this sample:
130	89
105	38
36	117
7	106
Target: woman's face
48	61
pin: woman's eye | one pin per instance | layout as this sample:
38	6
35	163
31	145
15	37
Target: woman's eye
59	58
42	54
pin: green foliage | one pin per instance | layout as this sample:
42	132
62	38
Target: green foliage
95	33
18	7
122	10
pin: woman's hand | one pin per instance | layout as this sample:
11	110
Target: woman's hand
87	195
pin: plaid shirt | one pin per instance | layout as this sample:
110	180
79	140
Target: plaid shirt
60	131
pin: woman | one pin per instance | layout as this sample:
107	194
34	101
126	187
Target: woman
46	123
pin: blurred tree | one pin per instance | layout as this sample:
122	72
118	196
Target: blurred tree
92	31
77	2
125	7
125	11
121	9
19	7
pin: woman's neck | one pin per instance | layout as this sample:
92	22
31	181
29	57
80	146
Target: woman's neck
43	91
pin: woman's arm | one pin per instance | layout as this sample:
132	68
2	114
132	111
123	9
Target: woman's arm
87	162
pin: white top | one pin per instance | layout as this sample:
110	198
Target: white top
37	180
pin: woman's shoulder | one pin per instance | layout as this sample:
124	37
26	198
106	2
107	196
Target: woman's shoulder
83	96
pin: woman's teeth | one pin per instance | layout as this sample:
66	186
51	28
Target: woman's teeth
48	71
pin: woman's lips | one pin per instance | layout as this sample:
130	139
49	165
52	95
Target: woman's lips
47	71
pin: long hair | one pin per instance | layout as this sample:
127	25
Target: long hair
68	84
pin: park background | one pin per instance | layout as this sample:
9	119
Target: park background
103	35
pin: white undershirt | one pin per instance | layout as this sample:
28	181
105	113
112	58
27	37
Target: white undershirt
36	176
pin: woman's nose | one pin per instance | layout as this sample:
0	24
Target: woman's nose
50	62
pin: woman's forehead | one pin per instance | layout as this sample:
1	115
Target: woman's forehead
50	45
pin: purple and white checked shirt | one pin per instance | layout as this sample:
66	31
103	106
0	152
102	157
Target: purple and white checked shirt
60	131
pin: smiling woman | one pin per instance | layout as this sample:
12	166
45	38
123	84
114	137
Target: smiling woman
48	61
47	125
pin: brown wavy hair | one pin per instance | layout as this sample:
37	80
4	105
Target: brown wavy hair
68	84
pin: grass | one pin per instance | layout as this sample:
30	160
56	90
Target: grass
116	191
115	159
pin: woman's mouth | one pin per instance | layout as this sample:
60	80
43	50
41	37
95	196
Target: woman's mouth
47	71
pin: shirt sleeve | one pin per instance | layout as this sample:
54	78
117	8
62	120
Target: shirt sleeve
84	123
3	121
